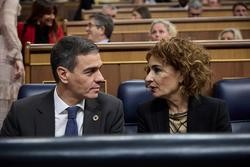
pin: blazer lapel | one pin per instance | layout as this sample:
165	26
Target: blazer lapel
45	116
192	119
161	117
92	117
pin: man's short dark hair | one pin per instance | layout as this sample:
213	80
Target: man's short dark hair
105	21
66	50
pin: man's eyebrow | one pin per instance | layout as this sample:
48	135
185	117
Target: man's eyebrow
92	68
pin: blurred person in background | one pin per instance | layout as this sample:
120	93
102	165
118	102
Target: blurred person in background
41	26
100	28
162	29
194	8
141	12
84	4
11	59
240	9
182	4
109	10
213	3
230	34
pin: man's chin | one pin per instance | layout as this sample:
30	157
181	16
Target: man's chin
92	95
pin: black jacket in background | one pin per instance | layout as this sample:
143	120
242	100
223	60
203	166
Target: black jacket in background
84	4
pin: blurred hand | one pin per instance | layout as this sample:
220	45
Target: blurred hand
19	69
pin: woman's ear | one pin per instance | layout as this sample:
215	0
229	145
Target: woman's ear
181	79
63	74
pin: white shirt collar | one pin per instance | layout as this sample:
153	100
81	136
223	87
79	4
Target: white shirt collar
61	106
103	41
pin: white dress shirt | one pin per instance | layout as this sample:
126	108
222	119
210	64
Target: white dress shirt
61	116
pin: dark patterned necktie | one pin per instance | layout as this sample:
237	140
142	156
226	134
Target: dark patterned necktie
71	127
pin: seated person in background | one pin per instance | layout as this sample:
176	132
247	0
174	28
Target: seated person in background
194	8
100	28
177	71
240	9
213	3
138	2
162	29
75	107
230	34
182	4
204	2
141	12
41	26
109	10
84	4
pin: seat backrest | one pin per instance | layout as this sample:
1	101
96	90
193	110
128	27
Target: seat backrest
236	93
33	89
132	93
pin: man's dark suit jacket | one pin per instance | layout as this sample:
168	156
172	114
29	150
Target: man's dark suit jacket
205	115
35	116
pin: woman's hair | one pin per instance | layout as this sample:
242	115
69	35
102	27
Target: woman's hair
170	27
143	11
40	8
239	4
191	59
236	32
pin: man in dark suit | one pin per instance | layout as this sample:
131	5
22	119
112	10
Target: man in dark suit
76	67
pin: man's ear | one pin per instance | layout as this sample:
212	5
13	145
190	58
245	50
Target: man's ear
103	29
63	74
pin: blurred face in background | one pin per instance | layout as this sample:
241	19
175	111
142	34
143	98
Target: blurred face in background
240	11
94	31
47	19
136	15
110	12
192	12
227	36
213	3
158	32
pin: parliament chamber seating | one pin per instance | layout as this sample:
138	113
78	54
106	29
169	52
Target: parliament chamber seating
154	150
126	60
33	89
132	93
236	93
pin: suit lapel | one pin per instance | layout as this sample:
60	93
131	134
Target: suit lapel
45	116
92	117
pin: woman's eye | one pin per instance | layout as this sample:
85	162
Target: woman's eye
147	69
156	70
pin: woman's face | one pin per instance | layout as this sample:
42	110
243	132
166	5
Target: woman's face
47	19
163	80
159	32
227	36
136	15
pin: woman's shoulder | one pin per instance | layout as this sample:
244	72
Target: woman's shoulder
209	99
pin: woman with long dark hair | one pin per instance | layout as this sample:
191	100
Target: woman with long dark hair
41	26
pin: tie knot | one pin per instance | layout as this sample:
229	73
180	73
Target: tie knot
72	111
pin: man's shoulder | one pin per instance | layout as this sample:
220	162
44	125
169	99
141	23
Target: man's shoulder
34	99
107	97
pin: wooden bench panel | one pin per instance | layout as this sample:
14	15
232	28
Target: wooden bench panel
196	29
163	12
163	4
125	61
